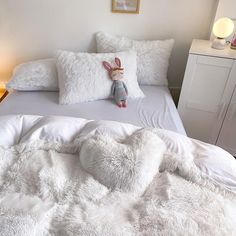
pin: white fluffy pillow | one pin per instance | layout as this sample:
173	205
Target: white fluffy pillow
83	78
152	56
129	165
38	75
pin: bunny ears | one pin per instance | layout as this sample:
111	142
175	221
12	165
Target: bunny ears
108	66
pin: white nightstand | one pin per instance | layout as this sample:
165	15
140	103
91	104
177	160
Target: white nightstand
207	102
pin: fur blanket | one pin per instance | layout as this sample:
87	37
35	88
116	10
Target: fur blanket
44	190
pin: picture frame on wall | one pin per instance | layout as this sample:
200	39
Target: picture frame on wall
126	6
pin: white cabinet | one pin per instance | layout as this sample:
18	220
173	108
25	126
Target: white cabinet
206	95
227	137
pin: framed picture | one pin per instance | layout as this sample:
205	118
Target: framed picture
126	6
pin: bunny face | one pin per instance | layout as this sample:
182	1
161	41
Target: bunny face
116	73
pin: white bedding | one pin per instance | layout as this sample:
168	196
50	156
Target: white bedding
156	110
45	191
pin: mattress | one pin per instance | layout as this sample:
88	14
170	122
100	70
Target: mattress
156	110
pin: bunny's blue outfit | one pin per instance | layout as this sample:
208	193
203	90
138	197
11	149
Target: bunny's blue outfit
119	91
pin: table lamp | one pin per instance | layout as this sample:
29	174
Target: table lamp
222	29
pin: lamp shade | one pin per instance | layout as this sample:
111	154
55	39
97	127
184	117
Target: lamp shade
223	28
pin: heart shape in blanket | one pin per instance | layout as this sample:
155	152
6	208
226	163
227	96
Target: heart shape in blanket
128	165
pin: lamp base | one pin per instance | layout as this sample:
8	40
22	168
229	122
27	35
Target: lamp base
219	44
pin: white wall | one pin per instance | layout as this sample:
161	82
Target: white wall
35	28
226	8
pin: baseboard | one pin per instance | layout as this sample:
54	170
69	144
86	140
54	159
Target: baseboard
175	93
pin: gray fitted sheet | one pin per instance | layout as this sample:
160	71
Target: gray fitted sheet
156	110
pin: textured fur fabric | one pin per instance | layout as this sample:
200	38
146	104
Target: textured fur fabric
77	204
128	165
82	76
19	224
38	75
44	189
152	56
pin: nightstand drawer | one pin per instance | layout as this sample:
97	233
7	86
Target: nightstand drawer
206	93
215	61
227	137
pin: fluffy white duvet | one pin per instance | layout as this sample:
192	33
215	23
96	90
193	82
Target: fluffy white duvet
70	176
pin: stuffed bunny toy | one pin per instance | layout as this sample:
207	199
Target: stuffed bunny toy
119	90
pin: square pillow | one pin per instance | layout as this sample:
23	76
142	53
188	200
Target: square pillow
40	75
82	76
152	56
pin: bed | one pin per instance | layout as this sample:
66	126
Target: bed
71	176
92	168
71	170
156	110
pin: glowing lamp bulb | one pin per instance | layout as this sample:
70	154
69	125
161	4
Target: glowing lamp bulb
222	29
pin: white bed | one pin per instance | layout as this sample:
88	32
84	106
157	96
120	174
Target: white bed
74	170
57	172
46	187
156	110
